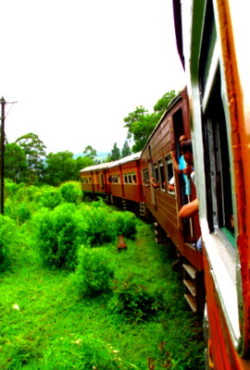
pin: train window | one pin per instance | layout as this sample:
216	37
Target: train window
134	179
220	212
145	176
130	178
170	174
162	176
125	179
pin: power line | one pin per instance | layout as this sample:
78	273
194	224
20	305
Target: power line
11	105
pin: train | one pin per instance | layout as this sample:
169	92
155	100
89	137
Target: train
211	38
213	112
139	182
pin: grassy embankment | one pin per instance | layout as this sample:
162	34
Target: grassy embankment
121	311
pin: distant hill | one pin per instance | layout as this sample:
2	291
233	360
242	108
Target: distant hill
100	155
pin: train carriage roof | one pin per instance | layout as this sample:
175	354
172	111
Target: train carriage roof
104	166
129	158
97	167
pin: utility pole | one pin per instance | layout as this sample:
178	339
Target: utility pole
2	147
2	102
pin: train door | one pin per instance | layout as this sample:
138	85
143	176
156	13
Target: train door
186	189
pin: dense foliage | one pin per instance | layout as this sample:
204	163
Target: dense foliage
94	272
9	239
60	232
26	161
16	166
70	300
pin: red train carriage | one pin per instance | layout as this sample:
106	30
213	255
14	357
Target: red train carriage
164	203
212	39
94	179
125	181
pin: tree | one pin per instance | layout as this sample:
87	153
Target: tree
115	153
34	150
60	167
139	113
142	130
140	123
82	162
125	150
89	152
15	163
164	102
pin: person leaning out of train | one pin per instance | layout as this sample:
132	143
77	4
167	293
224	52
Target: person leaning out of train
191	208
181	166
153	183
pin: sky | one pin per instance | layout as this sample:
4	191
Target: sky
76	68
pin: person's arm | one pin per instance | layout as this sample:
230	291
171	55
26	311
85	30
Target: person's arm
171	187
189	209
153	183
175	163
188	170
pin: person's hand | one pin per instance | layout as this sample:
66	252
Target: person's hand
172	154
188	170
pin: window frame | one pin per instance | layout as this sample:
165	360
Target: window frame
168	164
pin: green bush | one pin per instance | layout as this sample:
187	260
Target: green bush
125	224
135	303
11	188
23	212
94	272
8	238
58	234
95	354
51	198
100	226
20	211
28	193
71	192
